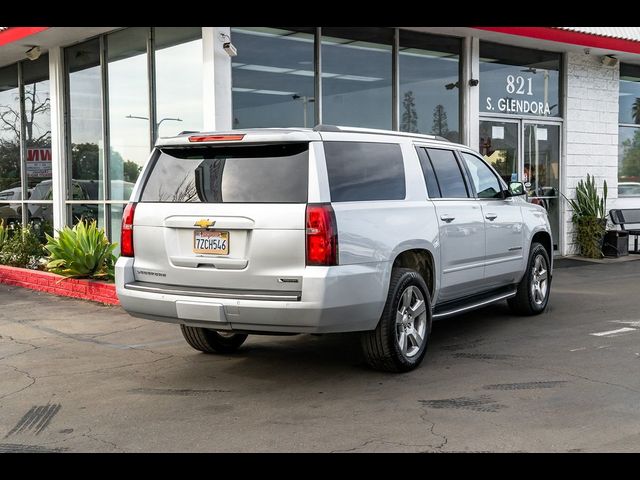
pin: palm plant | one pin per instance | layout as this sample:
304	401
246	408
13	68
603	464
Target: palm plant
635	110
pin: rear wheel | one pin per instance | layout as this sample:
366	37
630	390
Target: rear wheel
533	291
212	341
399	342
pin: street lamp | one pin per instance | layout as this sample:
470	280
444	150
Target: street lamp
305	100
157	124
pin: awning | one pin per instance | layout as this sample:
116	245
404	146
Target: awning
622	39
13	34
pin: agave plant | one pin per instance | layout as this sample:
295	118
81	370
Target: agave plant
589	216
587	202
81	251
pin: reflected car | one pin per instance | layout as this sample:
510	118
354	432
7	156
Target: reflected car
628	195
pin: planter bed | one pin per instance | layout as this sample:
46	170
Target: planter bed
96	291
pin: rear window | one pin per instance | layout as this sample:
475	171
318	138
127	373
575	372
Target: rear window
360	171
229	174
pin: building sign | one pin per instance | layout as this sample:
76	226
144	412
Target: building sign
518	99
518	81
39	162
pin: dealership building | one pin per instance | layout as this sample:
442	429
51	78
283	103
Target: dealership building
80	107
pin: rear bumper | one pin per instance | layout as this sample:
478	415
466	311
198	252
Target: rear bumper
334	299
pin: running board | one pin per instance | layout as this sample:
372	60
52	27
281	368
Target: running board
455	307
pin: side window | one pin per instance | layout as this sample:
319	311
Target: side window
429	175
485	181
360	171
448	173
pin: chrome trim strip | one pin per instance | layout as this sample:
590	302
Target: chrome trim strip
287	296
475	305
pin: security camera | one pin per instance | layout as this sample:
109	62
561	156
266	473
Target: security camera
33	53
230	49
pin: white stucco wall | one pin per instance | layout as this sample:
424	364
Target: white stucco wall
591	129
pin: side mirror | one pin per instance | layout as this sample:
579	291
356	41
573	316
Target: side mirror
516	189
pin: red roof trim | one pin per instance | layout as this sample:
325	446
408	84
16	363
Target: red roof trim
13	34
573	38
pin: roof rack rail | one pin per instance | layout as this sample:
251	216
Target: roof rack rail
374	131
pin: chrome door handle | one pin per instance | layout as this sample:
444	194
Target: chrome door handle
447	218
491	216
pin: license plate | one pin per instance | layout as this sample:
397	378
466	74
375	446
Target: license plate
213	242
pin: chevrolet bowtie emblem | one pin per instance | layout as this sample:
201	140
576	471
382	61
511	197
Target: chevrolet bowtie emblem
204	223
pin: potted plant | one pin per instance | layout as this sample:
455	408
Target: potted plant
589	217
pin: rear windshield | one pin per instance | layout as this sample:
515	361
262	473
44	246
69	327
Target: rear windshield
238	174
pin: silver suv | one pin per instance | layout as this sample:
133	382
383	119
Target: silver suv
325	230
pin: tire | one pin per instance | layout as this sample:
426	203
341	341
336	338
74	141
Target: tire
532	296
381	347
211	341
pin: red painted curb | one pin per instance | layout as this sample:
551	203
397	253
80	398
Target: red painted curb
93	290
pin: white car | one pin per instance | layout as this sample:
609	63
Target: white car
325	230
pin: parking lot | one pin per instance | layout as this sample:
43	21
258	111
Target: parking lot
77	376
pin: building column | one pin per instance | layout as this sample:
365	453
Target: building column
58	147
216	79
591	126
470	95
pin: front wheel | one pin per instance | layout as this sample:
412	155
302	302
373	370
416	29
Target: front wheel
534	289
399	342
211	341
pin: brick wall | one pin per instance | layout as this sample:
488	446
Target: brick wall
591	124
51	283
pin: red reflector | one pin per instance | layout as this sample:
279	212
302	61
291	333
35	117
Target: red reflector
126	234
322	235
215	138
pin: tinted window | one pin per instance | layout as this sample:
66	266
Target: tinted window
364	171
448	173
486	183
429	174
246	174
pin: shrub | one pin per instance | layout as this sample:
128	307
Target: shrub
81	252
20	247
589	217
4	233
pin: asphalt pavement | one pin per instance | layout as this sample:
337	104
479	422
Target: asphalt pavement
81	377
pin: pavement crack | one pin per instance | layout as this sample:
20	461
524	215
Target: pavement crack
115	331
93	436
105	369
19	342
444	438
33	381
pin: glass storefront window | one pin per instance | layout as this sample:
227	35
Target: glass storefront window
10	186
178	60
85	120
273	77
628	134
429	84
37	120
629	159
629	96
128	108
356	76
519	81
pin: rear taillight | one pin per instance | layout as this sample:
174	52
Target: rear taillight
126	235
322	235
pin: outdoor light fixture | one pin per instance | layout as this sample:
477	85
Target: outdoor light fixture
451	86
609	61
231	50
33	53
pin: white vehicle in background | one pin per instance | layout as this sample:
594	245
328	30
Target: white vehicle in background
628	195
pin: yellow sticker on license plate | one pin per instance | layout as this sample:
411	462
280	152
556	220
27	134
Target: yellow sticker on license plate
213	242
